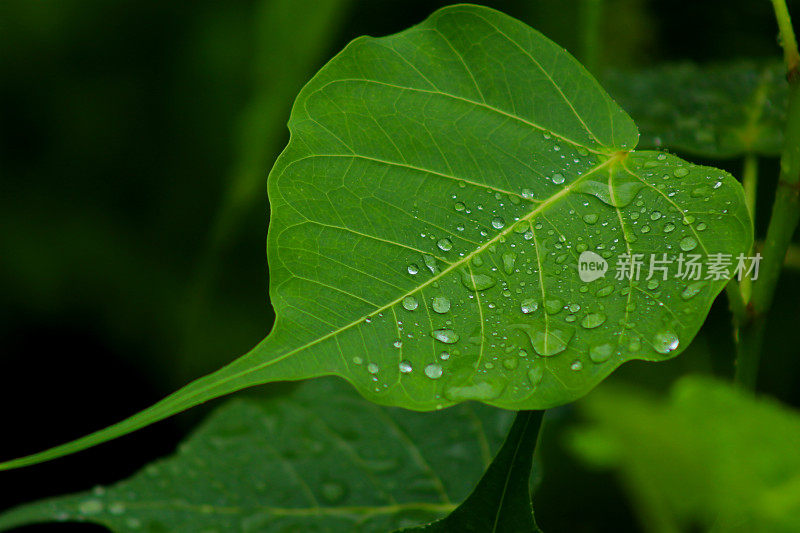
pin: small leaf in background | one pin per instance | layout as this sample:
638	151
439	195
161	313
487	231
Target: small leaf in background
710	455
501	502
718	111
318	459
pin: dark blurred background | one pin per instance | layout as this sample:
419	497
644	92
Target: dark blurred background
135	141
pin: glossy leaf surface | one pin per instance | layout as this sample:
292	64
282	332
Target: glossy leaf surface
428	216
430	209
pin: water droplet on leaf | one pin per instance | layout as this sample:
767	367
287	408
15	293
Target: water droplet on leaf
688	243
90	507
440	304
665	342
536	374
692	290
433	371
529	306
116	508
447	336
604	291
476	282
622	191
681	172
593	320
430	262
410	303
482	390
553	306
509	258
547	341
600	353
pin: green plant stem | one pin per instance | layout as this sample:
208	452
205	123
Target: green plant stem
792	259
783	221
750	183
590	17
738	298
737	304
791	57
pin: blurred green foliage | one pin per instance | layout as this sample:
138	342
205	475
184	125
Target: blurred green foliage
710	456
130	130
718	111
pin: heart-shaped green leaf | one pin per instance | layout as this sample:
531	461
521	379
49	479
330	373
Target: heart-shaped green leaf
427	221
430	209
